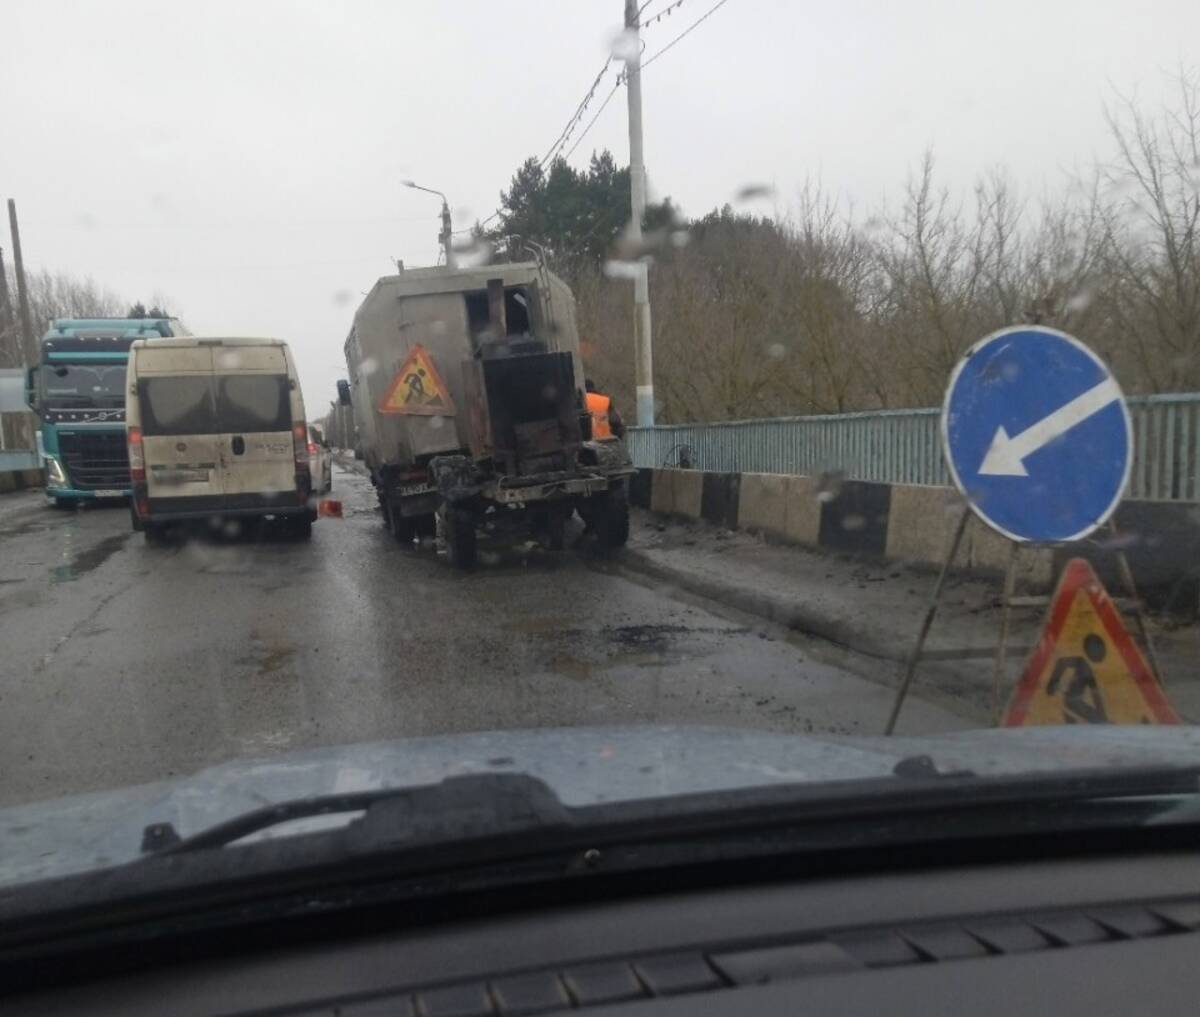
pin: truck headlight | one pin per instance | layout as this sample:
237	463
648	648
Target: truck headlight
55	472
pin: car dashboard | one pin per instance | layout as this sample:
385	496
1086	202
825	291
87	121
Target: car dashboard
1091	936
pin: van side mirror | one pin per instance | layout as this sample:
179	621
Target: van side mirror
31	388
343	388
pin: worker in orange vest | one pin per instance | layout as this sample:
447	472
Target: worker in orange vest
606	421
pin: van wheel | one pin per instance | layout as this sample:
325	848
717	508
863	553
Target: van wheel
459	528
65	504
135	521
155	534
426	526
302	527
612	518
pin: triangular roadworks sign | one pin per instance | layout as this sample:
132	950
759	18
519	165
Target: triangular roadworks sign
418	388
1086	668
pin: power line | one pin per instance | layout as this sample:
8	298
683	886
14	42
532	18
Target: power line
665	12
607	100
563	137
692	27
621	77
576	117
565	134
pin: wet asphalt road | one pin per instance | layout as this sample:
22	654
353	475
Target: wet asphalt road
123	663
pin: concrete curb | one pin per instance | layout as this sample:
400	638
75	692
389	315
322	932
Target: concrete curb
913	524
781	611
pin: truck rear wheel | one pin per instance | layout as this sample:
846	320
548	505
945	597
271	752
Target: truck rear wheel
552	527
459	528
403	529
611	519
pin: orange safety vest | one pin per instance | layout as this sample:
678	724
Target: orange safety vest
598	406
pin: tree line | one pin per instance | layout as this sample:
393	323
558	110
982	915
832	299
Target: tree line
52	295
60	295
819	309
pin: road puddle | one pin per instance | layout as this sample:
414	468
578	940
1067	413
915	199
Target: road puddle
89	560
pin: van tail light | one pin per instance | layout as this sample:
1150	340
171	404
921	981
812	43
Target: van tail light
300	443
303	473
137	456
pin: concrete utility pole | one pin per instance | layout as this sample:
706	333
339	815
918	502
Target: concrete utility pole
642	344
28	343
445	236
13	433
8	330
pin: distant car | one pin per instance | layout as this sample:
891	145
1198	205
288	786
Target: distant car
320	465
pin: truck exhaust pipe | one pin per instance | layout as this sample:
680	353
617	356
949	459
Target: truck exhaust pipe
497	319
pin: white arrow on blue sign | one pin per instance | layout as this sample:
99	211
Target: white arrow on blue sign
1037	435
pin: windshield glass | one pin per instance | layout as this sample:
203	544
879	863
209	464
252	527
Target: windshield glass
702	394
84	386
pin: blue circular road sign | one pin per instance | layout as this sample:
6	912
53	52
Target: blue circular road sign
1037	435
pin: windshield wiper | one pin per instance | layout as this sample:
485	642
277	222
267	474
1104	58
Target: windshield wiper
489	805
470	805
163	838
507	829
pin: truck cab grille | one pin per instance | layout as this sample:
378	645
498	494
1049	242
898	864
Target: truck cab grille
95	460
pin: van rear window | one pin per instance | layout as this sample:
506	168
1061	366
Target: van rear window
241	403
254	402
177	405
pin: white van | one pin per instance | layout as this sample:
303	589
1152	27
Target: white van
216	429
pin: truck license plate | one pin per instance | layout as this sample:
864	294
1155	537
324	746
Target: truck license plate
407	490
110	494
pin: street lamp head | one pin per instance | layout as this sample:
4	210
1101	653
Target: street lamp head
417	187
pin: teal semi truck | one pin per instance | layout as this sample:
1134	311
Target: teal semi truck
77	391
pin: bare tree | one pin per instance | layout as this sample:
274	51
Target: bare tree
1151	245
812	312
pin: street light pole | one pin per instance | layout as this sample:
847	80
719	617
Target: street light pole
444	236
642	343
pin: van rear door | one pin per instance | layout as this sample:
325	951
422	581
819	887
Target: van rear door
253	399
180	435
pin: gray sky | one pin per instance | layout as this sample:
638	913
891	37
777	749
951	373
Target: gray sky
245	158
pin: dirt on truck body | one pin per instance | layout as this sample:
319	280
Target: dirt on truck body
467	392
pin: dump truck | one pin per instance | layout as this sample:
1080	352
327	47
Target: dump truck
467	395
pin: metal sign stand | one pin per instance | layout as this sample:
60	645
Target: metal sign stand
1132	605
910	665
